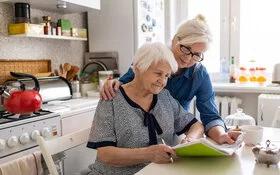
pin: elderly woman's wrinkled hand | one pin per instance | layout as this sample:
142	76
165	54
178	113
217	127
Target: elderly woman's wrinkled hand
109	88
159	153
187	139
229	137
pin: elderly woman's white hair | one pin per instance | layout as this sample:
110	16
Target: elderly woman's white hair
193	31
150	53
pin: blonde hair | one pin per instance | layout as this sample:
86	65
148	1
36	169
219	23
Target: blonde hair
150	53
193	31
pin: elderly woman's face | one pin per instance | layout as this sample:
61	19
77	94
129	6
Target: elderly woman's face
188	55
156	76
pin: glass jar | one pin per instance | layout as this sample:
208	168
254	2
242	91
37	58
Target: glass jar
22	12
242	76
253	77
262	78
47	27
75	89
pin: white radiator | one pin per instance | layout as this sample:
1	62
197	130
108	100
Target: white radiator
267	108
225	105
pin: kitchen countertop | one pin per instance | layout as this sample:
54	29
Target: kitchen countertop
72	106
246	87
242	163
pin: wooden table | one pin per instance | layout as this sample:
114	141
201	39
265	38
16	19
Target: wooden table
241	163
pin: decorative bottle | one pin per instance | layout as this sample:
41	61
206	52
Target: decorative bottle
232	71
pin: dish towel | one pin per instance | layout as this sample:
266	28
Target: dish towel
26	165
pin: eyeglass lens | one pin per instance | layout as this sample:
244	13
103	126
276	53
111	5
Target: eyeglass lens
195	56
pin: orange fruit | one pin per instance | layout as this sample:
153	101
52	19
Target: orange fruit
243	79
261	79
253	78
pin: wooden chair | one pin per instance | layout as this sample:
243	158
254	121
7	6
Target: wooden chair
54	146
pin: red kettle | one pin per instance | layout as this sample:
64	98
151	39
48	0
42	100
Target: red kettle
22	101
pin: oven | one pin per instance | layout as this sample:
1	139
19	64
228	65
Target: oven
59	115
18	133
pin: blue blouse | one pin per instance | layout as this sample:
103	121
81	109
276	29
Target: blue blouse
192	81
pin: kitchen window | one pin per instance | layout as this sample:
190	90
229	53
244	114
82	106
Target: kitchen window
248	30
259	32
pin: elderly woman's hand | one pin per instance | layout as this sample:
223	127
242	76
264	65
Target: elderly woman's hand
159	153
187	139
109	88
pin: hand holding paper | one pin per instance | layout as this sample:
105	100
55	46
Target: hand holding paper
207	147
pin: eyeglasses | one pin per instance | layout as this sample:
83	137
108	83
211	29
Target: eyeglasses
198	57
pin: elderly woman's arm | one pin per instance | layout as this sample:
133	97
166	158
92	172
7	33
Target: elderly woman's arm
196	131
119	157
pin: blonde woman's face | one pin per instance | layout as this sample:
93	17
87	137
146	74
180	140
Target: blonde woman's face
183	60
155	77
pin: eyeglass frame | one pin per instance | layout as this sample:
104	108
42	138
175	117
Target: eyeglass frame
191	53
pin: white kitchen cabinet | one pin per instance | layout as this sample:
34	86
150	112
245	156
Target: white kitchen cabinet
95	4
72	6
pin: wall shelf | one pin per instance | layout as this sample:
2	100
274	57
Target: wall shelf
48	36
73	6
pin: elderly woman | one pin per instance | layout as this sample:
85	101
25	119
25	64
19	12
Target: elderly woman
191	79
127	131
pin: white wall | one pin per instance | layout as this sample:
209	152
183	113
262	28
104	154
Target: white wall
112	29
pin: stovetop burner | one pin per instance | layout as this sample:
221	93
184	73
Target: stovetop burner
6	117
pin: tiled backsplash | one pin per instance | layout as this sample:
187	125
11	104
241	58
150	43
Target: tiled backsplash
59	51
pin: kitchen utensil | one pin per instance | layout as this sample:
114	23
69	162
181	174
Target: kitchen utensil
62	71
22	101
67	67
268	154
71	74
239	118
276	74
56	72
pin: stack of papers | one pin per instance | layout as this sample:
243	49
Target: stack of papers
207	147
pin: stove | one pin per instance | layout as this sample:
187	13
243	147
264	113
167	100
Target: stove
6	117
19	132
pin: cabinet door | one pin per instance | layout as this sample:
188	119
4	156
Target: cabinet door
76	122
95	4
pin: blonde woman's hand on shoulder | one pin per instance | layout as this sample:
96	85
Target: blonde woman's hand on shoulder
107	91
